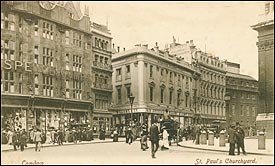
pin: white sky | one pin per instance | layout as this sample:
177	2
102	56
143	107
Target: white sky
224	27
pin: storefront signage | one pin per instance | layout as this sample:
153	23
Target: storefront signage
8	64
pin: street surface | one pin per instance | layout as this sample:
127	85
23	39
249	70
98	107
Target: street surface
122	153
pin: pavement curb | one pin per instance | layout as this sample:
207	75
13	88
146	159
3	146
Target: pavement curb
225	151
49	146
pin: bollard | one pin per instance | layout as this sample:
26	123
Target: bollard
211	138
203	138
261	141
222	138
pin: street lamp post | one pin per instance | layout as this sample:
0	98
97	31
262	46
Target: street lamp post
131	99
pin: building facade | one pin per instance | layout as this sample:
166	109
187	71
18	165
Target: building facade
157	80
102	76
46	65
265	29
242	105
212	87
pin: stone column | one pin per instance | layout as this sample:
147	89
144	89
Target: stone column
140	79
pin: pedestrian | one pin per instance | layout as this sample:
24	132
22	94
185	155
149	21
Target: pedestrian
240	138
126	135
197	134
130	135
60	137
232	139
10	135
115	135
37	139
23	139
143	140
67	132
52	136
31	135
15	140
165	141
154	138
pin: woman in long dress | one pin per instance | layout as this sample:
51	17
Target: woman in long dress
10	135
165	141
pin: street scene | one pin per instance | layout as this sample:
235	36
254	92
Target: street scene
137	83
122	153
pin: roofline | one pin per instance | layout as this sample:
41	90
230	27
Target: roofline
251	78
146	51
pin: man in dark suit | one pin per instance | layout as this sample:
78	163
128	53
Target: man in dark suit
240	138
154	138
232	139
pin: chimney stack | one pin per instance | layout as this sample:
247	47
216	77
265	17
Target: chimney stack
118	49
145	45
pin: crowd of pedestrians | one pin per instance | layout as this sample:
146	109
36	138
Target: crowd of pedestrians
19	138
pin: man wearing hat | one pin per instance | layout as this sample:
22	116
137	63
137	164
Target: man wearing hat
154	138
232	139
240	138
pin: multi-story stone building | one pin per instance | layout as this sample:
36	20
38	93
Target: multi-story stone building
212	87
242	91
157	80
265	29
47	54
102	76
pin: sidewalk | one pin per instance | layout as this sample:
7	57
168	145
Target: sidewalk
5	147
251	146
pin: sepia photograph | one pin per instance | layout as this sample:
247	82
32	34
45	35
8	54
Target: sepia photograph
137	82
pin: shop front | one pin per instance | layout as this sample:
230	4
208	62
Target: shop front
27	112
102	121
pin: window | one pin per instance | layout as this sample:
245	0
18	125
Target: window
119	95
48	88
253	111
187	83
170	97
20	88
47	56
178	99
36	78
151	71
247	110
128	91
233	109
118	74
67	37
162	72
106	61
67	93
151	93
161	95
128	69
67	84
179	81
36	89
242	110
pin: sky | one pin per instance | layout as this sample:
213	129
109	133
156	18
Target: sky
221	28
